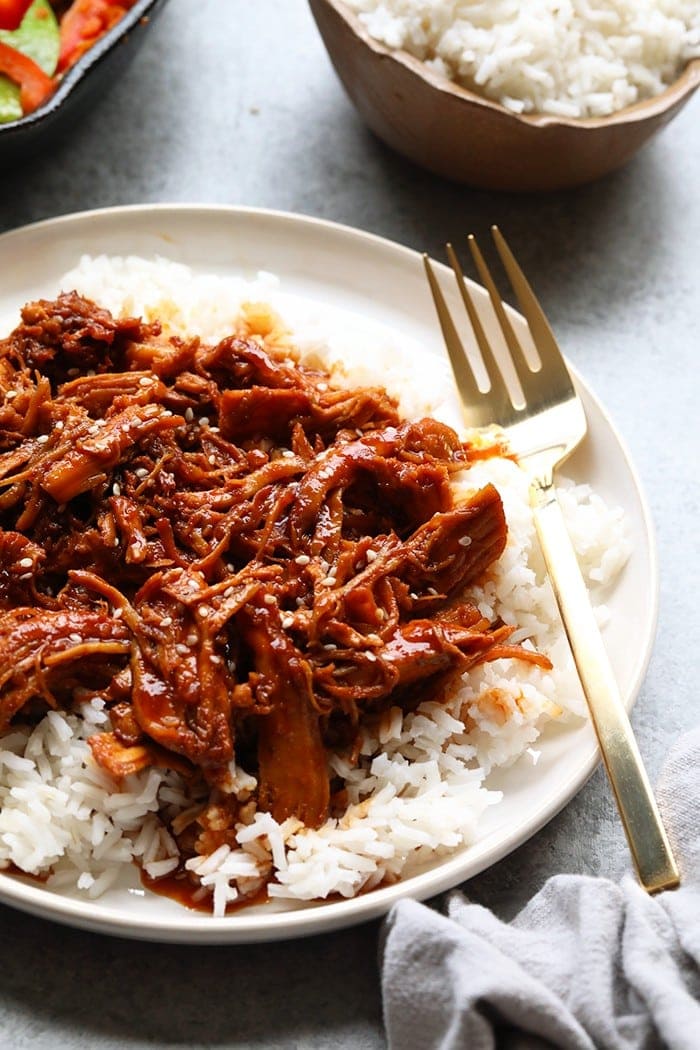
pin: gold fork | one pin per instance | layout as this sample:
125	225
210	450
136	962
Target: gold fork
543	432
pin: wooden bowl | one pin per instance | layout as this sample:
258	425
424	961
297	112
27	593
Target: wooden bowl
461	136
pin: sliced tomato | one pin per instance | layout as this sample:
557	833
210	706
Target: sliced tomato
12	12
84	23
34	84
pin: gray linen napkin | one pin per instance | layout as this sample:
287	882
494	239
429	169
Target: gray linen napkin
587	963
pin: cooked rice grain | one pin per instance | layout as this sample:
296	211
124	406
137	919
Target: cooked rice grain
568	58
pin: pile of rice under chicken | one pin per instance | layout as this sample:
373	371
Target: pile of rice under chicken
261	630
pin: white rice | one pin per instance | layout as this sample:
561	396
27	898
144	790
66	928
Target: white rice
60	813
419	789
569	58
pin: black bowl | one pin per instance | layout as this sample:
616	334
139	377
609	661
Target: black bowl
83	83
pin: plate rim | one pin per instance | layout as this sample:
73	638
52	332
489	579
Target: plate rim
240	929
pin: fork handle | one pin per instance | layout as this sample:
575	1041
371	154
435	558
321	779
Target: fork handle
647	839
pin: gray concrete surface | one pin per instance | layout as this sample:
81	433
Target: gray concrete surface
236	102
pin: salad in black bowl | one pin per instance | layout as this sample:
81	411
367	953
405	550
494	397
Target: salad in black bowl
55	55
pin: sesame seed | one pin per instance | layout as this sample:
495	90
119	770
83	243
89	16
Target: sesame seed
42	439
144	381
431	590
374	639
203	421
359	433
269	599
75	638
299	602
26	576
465	541
117	614
381	615
193	585
93	429
183	650
116	489
166	621
10	394
58	425
229	591
204	611
322	386
329	581
211	459
90	373
115	541
330	647
191	639
25	563
371	555
189	415
302	559
371	657
288	454
287	622
215	659
141	472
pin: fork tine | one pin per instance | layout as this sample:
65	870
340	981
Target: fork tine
464	377
497	387
543	337
526	377
490	285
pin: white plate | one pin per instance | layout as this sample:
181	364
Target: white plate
382	284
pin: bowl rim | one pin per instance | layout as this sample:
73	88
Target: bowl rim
132	19
684	85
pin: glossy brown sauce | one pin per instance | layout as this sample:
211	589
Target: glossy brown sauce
177	887
16	872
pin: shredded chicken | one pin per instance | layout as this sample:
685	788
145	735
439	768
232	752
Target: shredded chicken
245	561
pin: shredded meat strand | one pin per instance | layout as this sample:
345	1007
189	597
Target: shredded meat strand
240	558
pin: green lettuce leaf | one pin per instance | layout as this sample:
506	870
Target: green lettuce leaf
37	37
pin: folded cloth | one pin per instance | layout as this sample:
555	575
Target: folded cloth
588	963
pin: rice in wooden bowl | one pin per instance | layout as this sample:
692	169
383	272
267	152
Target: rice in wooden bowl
514	97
